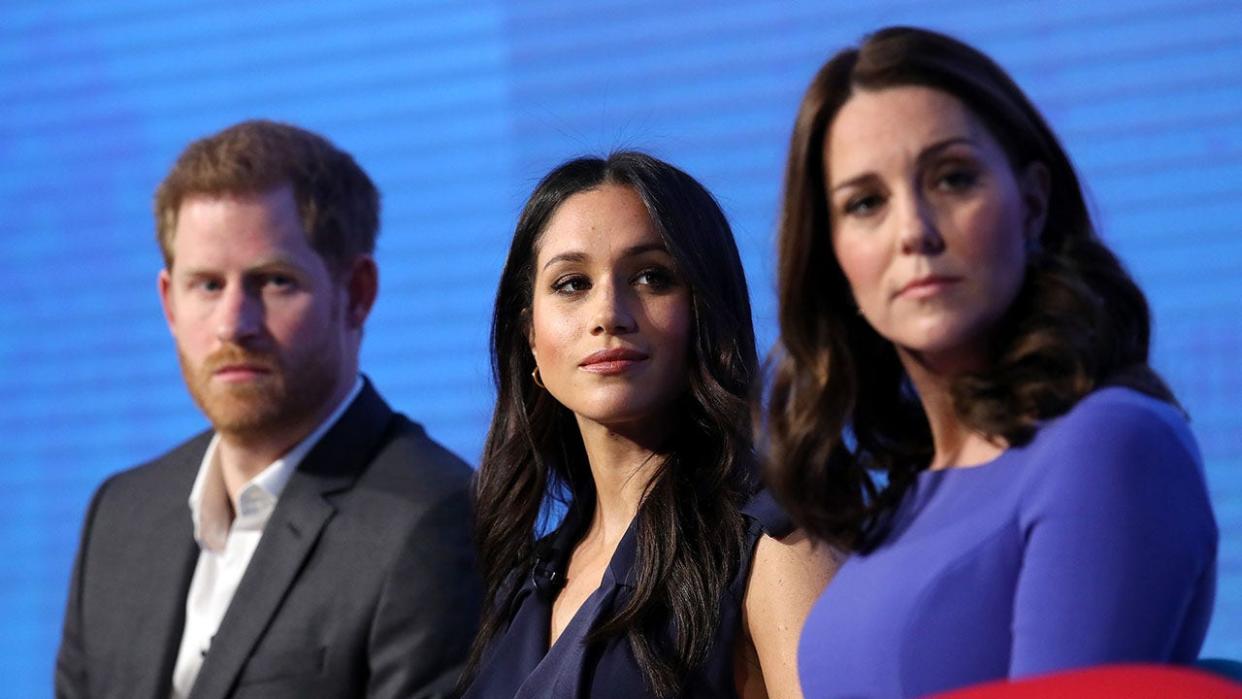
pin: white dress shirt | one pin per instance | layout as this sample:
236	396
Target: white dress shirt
227	542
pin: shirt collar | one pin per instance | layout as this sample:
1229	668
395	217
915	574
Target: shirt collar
210	509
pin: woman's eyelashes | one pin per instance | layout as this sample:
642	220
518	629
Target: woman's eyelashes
862	205
654	278
570	284
956	178
952	178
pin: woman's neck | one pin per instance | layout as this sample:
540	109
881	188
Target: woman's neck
622	464
954	444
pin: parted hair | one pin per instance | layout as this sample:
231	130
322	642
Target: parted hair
689	526
840	409
338	204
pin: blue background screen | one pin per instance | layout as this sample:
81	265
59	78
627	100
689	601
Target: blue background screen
456	110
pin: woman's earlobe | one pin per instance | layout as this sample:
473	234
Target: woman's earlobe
528	328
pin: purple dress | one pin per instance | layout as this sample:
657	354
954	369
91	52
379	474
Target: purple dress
519	664
1094	543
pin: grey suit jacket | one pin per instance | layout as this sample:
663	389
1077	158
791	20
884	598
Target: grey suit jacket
363	583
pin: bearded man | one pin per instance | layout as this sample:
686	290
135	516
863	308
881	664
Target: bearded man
313	543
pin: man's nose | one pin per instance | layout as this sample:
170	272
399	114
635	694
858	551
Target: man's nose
239	315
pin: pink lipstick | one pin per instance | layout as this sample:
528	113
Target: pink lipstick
611	362
927	286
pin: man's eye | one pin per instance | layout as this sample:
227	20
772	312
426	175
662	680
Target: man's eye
281	281
208	285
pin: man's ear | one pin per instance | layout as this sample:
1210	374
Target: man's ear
1036	186
164	285
361	286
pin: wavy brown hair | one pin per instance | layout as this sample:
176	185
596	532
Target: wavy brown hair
690	530
338	203
840	409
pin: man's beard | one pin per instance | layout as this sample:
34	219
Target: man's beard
290	395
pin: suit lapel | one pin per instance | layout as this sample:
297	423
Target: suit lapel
286	543
164	602
290	537
159	591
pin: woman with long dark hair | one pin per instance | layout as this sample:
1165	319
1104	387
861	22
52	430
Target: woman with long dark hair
962	394
623	354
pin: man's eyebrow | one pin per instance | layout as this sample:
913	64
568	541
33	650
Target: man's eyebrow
274	264
182	271
266	265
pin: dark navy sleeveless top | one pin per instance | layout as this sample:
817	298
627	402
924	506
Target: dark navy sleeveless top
519	664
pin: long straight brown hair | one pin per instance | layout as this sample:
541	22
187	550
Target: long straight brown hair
690	530
839	408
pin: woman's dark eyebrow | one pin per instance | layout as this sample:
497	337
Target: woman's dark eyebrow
577	256
645	247
927	153
852	182
935	148
571	256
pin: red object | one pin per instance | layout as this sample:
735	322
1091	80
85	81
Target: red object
1129	681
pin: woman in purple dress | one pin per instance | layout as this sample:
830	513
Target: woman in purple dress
963	396
624	355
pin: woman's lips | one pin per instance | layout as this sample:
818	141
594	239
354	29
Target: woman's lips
611	362
929	285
